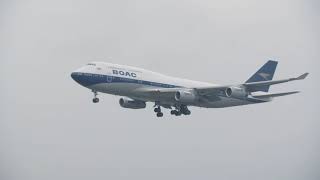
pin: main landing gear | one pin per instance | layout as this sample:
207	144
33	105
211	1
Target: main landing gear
95	99
158	111
180	110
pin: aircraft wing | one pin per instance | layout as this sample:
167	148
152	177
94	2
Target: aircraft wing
254	86
163	93
216	90
251	87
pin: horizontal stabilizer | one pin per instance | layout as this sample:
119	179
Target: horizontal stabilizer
303	76
275	95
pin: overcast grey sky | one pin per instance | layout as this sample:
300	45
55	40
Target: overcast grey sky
49	129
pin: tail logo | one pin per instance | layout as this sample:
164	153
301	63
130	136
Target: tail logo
265	76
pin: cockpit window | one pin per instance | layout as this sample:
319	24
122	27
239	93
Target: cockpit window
91	64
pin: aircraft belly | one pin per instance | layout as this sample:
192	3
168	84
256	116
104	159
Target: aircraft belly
122	89
129	90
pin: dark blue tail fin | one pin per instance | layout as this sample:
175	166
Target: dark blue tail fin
265	73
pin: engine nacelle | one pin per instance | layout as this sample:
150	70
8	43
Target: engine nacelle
187	97
236	92
132	104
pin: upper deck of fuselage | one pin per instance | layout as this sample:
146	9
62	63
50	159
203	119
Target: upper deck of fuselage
143	74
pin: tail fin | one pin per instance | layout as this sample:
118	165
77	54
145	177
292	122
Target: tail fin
265	73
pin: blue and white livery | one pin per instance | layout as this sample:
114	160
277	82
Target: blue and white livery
138	86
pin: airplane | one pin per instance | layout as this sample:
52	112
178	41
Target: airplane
138	86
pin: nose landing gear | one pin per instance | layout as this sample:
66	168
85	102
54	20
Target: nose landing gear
95	99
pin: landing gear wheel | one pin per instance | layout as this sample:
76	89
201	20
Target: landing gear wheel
157	110
159	114
178	113
187	112
173	112
95	100
184	110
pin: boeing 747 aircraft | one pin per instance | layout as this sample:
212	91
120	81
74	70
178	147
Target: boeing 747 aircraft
138	86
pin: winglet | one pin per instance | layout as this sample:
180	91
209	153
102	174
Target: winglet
303	76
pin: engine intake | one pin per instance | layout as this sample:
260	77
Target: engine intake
186	97
236	92
132	104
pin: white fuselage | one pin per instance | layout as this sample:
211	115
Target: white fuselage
128	81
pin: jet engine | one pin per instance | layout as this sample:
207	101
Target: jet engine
236	92
186	97
132	104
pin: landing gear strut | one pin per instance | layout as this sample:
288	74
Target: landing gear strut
182	109
178	111
158	111
95	99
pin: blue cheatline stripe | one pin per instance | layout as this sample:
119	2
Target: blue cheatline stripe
89	79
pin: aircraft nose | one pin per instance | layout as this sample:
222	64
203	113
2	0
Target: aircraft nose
76	76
